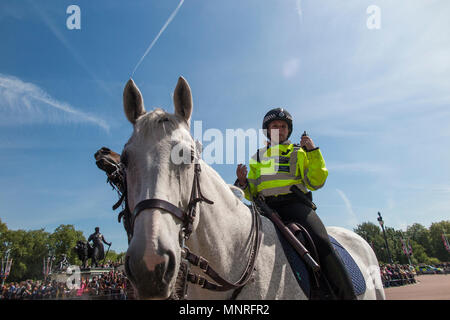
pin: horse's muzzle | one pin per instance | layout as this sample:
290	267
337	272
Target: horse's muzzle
152	276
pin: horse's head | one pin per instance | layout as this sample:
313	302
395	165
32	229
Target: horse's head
107	160
159	138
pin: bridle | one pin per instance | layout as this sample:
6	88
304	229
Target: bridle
118	180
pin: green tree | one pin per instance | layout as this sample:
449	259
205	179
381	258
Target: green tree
372	234
19	253
115	257
420	235
3	237
30	248
419	253
63	241
438	248
393	237
37	244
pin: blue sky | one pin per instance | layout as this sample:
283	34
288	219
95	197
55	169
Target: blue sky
376	102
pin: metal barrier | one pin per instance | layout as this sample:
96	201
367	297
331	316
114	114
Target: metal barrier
398	282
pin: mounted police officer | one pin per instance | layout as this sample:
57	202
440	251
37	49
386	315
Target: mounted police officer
99	253
274	170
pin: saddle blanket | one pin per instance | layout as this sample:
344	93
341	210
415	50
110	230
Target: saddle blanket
301	273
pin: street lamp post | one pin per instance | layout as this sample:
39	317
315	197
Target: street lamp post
380	220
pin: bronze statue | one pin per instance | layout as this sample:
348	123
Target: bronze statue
97	243
84	251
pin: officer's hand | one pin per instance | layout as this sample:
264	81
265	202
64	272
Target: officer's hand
241	173
307	142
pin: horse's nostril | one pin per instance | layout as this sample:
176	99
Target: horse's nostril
171	264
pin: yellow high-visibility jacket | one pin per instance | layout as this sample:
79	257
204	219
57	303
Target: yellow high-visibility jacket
274	169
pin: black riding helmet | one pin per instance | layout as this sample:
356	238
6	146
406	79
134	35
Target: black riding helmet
277	114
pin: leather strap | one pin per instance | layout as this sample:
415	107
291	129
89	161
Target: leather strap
158	204
187	218
222	284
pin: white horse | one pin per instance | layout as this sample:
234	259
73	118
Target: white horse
221	231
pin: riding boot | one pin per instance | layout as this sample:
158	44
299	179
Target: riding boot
338	277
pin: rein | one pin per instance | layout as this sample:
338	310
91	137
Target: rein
118	180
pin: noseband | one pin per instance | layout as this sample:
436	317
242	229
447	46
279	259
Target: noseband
187	217
118	180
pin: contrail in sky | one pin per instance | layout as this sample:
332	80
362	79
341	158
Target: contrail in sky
353	220
25	103
59	35
174	13
299	9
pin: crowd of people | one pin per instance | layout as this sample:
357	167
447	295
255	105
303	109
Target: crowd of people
108	286
114	285
398	275
394	275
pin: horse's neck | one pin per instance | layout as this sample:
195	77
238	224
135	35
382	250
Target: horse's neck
223	233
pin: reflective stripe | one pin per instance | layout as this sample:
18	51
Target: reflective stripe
309	182
266	160
277	176
293	162
279	183
281	190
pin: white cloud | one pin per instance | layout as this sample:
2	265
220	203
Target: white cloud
398	73
352	220
25	103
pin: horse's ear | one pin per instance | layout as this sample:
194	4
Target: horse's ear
133	103
182	99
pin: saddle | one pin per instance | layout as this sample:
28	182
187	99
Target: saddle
297	243
303	257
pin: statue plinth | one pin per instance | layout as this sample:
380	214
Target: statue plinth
85	273
89	273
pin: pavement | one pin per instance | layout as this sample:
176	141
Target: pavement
428	287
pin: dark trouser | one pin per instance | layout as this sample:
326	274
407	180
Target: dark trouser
330	263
